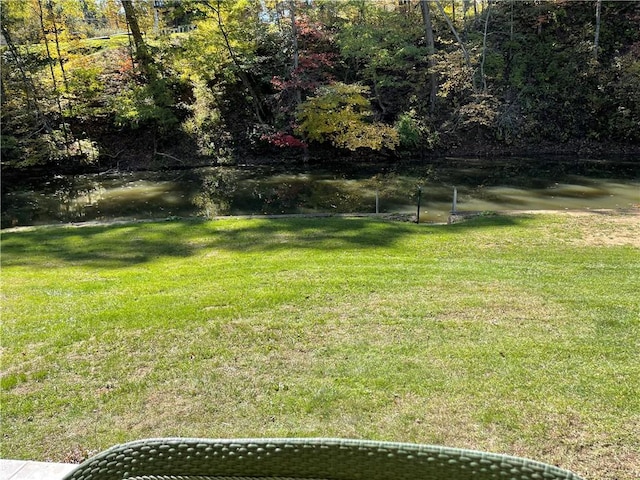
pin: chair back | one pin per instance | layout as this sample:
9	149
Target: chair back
304	458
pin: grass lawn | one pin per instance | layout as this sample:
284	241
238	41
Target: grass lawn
515	334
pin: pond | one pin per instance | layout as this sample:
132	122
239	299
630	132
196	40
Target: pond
482	185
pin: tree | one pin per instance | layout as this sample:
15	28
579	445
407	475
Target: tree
341	115
53	76
349	75
149	101
27	84
455	33
431	49
145	61
312	58
596	39
111	12
378	51
295	49
236	60
484	48
23	119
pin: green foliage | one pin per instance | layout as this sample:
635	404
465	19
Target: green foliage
408	129
556	90
45	148
340	114
455	79
206	123
52	146
494	66
414	133
379	50
86	150
10	148
386	40
533	77
20	20
87	89
624	121
143	105
84	83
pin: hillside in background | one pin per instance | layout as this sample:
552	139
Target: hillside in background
98	84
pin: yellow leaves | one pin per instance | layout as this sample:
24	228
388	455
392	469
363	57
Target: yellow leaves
481	112
374	136
340	114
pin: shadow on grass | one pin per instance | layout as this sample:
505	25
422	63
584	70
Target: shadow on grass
113	246
99	246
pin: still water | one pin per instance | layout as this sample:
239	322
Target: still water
482	185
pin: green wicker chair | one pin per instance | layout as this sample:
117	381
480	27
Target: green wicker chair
304	458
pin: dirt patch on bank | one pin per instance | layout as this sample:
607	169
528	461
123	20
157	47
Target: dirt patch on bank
605	228
613	230
586	227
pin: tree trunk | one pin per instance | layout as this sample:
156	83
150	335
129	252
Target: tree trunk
53	76
510	26
467	59
296	64
484	48
596	39
61	63
431	50
27	82
142	53
454	32
296	51
259	110
57	40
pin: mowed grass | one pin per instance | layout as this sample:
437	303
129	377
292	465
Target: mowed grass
515	334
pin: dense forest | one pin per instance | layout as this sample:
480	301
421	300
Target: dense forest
131	84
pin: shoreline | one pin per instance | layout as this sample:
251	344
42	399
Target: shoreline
457	217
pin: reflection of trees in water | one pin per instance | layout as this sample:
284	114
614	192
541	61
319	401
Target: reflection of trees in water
510	183
278	193
216	193
285	197
64	199
77	198
342	197
531	173
311	195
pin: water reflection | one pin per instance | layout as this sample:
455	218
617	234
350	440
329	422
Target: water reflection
216	192
208	192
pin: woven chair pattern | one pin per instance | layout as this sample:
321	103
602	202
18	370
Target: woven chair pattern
308	459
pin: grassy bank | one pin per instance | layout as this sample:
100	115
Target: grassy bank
511	334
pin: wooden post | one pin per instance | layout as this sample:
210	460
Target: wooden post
377	202
454	206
